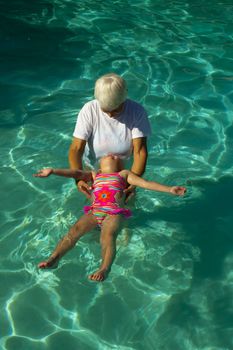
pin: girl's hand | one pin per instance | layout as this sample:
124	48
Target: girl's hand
178	190
44	172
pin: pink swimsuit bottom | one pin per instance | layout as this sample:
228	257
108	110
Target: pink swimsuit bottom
105	188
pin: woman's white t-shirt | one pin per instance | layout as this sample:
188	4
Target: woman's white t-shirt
106	135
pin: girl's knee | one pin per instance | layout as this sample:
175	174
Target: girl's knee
68	240
75	232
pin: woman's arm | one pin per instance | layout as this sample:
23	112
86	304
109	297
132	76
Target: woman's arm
139	162
75	159
135	180
139	155
76	153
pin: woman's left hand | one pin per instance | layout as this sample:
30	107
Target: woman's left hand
129	193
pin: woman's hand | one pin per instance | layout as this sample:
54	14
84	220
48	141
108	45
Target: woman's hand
178	190
44	172
84	188
129	193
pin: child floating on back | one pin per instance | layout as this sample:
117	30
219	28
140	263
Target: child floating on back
105	211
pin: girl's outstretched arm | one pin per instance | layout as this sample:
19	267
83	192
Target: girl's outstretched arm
73	173
135	180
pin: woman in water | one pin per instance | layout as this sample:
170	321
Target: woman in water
111	123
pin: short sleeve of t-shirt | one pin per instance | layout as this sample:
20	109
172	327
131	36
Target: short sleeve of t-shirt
142	126
136	114
84	124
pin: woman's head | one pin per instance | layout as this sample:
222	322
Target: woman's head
110	91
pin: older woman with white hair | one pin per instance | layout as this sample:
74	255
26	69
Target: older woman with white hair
110	124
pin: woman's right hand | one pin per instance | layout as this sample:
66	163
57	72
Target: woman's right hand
84	188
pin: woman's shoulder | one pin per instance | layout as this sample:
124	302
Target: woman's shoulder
89	111
134	106
93	104
134	112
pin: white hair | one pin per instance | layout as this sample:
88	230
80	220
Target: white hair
110	91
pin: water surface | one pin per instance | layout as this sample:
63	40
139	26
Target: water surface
171	284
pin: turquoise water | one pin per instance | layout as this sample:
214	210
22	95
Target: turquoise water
171	285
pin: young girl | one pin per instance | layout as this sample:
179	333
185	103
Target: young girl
106	210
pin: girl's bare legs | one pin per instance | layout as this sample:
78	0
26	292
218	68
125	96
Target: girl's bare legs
109	232
79	229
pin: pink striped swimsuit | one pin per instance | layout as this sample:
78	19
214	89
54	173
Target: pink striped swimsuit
106	189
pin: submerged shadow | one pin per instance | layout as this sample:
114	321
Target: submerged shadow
207	222
206	306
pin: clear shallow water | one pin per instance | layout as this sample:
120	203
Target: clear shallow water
171	284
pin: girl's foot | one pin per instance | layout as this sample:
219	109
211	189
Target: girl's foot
51	263
99	276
